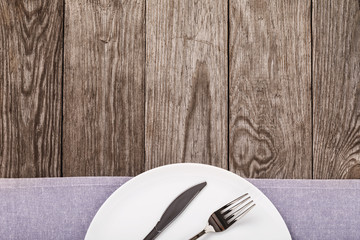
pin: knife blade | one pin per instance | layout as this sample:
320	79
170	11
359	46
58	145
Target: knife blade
175	208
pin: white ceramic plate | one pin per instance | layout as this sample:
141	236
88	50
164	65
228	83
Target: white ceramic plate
134	209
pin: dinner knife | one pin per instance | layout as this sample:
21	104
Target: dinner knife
174	209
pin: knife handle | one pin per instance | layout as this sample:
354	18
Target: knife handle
153	234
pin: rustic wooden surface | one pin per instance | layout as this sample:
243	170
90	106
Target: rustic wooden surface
336	89
266	89
186	82
31	37
104	87
270	88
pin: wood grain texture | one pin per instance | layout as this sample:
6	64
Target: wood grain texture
186	82
31	40
336	88
270	89
104	87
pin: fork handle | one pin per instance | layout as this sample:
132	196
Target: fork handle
198	235
207	229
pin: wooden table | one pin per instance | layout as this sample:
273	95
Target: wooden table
267	89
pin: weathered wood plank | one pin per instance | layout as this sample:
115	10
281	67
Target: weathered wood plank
270	89
336	88
31	39
104	87
186	82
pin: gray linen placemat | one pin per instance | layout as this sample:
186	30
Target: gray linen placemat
62	208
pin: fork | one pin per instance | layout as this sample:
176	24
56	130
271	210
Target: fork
227	215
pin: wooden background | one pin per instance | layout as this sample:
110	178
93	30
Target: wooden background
266	89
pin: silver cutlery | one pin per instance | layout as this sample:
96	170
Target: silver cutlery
174	209
227	215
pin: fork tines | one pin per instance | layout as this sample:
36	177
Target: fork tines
237	208
225	216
